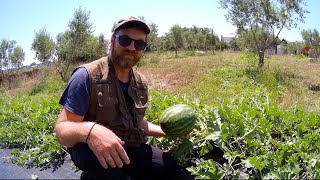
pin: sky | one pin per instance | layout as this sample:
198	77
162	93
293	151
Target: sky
21	18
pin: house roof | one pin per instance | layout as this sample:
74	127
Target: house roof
230	35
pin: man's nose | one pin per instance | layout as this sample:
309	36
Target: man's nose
131	46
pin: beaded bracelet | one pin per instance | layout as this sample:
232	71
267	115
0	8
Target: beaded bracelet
90	131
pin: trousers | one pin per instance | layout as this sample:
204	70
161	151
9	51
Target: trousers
141	166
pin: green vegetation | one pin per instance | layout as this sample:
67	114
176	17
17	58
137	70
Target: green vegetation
11	55
261	21
27	123
76	44
258	123
264	121
312	39
258	139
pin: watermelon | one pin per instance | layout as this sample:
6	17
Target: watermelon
177	120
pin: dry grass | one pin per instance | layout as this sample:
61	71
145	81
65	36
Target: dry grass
27	81
304	89
174	73
300	84
308	72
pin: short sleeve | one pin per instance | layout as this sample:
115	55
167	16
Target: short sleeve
76	96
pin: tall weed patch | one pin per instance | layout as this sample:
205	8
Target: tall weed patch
27	124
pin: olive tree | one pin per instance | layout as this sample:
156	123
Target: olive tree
176	35
6	48
153	39
43	45
75	45
11	55
311	38
17	57
270	15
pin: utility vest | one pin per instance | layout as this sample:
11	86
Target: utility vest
108	106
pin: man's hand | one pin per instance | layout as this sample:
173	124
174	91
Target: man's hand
71	129
107	146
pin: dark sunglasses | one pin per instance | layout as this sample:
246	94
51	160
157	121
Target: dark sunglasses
125	41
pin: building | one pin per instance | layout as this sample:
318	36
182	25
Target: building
228	37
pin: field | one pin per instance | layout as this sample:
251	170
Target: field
252	123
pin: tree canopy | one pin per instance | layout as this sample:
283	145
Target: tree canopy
11	55
272	16
311	38
43	45
76	44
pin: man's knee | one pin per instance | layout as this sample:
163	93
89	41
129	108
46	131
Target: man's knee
157	156
83	157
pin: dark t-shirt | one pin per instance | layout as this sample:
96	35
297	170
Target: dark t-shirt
124	88
76	96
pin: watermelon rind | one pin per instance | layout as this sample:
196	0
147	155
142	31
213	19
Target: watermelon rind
177	120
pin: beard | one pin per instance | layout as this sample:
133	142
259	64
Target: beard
124	59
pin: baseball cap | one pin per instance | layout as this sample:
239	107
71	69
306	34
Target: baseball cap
133	21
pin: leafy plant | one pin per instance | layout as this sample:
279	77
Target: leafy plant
27	124
257	138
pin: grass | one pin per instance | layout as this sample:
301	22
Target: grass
219	85
295	77
288	80
43	81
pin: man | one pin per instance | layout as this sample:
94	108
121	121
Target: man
104	103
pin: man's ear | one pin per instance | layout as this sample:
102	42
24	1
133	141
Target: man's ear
112	38
143	52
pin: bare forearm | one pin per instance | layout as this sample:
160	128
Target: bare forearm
71	129
70	133
151	129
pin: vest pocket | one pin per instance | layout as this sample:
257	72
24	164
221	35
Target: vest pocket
105	100
106	96
140	110
140	98
107	111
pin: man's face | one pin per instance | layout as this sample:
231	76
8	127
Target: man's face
126	56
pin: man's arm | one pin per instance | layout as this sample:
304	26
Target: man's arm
151	129
71	129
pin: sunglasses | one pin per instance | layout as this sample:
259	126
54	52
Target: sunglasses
125	41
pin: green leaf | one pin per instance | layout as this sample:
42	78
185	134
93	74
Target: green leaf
206	170
181	152
214	136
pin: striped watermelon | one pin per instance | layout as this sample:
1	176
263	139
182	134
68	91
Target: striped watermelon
177	120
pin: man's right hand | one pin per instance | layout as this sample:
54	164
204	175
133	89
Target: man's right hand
71	129
107	147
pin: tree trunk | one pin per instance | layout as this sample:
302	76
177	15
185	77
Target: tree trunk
261	59
62	70
176	52
10	81
63	76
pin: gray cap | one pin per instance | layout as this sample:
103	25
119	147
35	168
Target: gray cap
133	22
